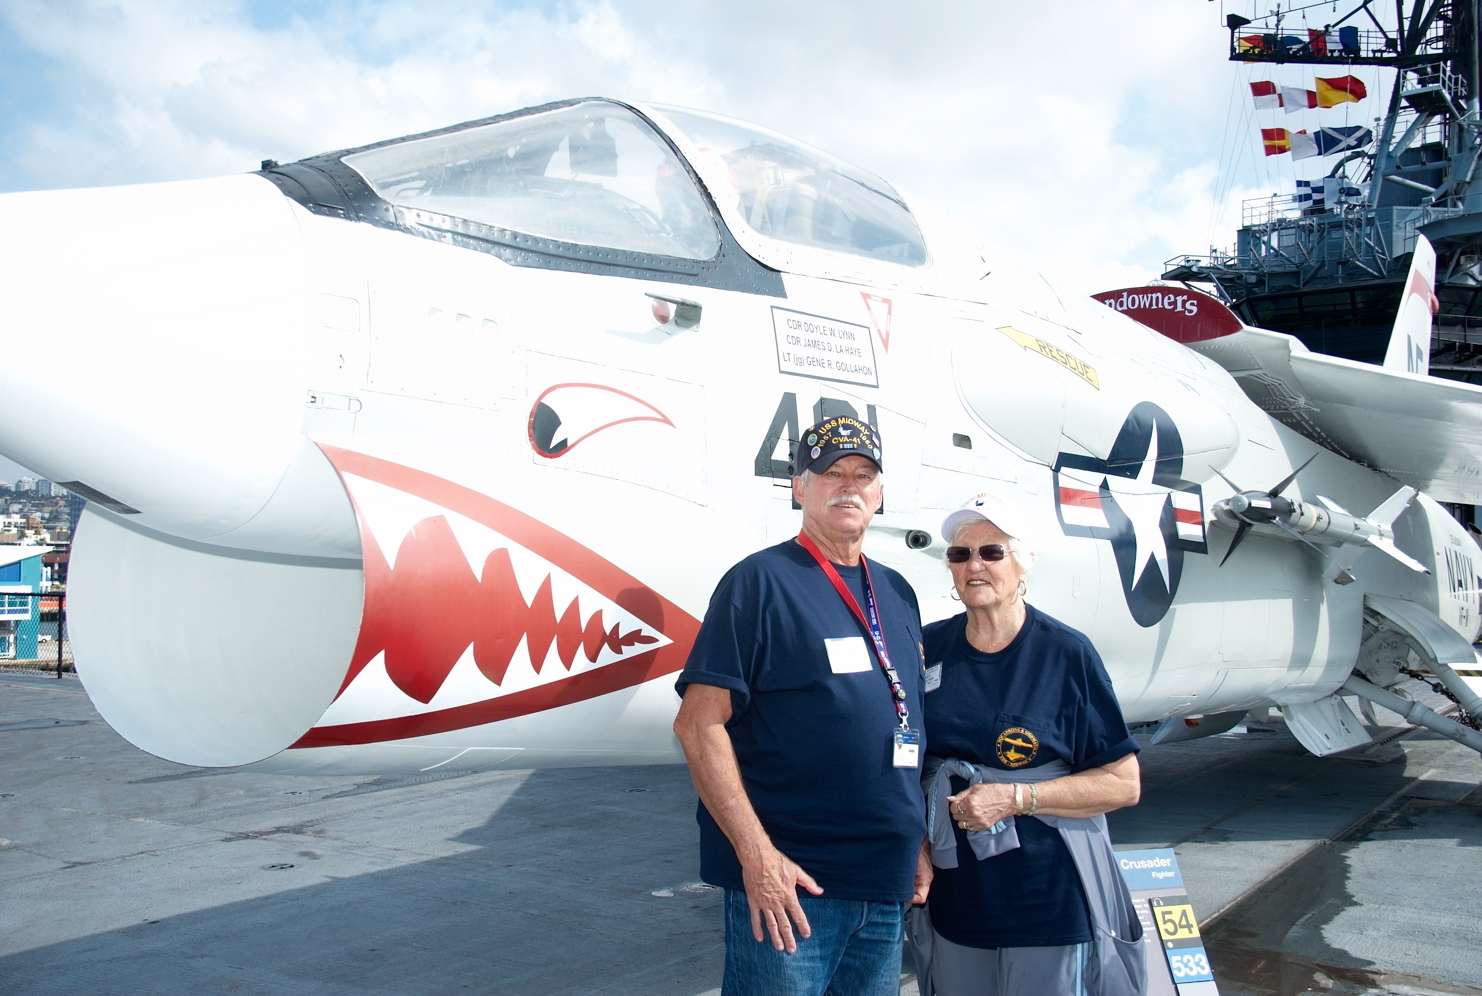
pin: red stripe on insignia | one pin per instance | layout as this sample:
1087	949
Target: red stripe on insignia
1081	499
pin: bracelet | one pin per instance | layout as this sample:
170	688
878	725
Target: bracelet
1018	798
1033	798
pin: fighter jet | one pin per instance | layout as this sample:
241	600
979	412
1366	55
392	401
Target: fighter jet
427	455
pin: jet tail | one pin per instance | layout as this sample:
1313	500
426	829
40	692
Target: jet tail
1410	341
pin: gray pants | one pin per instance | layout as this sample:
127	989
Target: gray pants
962	971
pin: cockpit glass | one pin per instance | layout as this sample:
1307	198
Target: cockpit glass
592	173
793	192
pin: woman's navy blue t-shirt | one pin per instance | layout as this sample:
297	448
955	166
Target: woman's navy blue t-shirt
1045	696
814	745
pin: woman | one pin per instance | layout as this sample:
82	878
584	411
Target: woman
1028	749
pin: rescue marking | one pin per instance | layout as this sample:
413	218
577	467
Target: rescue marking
1050	351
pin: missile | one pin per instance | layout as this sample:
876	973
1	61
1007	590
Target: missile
1327	523
1322	522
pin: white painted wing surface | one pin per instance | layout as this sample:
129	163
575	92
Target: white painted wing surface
1422	431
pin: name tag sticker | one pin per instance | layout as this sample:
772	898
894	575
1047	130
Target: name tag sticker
907	751
848	655
934	677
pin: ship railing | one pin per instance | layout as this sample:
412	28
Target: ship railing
1217	259
1458	329
1217	266
1449	207
1283	43
1300	243
1346	242
1433	132
1433	86
1252	41
1265	210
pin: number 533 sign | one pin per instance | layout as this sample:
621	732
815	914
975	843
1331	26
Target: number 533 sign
1181	942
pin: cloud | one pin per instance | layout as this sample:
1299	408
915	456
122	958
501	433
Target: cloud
1084	141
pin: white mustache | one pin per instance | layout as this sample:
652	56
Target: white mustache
852	501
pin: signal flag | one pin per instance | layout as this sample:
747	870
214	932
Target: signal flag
1340	89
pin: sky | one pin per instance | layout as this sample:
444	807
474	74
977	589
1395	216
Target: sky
1096	138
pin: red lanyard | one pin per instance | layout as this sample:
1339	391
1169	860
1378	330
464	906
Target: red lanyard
871	623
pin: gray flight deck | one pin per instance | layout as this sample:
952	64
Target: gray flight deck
121	873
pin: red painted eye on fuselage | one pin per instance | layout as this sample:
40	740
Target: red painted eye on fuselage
566	414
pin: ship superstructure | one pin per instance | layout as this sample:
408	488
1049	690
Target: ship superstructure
1327	264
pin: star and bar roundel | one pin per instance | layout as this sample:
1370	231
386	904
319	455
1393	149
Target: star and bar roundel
1138	500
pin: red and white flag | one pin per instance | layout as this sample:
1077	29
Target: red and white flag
1266	95
1296	99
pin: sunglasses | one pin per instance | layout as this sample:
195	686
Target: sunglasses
989	553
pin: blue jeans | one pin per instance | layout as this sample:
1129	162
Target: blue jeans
854	950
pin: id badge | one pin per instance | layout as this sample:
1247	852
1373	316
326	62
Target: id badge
907	745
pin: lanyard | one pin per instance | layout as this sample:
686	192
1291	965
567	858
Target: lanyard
870	622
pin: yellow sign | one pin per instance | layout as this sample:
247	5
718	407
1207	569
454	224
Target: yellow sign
1176	923
1074	364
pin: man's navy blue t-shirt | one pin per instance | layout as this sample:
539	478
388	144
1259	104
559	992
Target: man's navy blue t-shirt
1045	696
812	721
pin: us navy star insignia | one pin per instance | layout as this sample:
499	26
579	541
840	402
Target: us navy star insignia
1137	499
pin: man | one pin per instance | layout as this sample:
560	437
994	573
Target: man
800	722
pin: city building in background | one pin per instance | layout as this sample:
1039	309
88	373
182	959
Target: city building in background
36	511
22	577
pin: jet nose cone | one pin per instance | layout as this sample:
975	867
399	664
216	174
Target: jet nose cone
156	363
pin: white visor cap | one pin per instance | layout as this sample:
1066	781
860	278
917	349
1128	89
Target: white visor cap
1003	513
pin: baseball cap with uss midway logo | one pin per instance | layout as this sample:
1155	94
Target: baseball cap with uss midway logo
828	441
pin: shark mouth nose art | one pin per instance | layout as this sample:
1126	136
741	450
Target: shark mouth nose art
475	612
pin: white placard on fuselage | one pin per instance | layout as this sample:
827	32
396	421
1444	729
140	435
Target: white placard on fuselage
824	348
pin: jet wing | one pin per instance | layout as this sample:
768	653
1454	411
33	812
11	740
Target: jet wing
1422	431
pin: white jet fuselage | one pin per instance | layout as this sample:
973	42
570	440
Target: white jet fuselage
368	500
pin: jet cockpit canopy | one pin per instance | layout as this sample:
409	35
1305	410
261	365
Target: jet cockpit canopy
600	186
786	190
592	173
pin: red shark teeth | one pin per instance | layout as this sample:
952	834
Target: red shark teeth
424	613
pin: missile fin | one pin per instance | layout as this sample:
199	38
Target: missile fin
1290	477
1343	558
1389	547
1332	504
1233	486
1391	507
1240	532
1294	534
